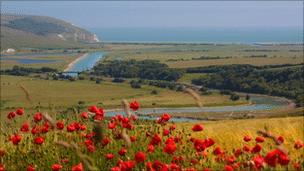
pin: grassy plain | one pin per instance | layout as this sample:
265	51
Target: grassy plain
108	94
183	55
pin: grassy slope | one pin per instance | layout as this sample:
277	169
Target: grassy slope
66	93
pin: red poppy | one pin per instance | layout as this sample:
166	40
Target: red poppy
276	156
11	115
91	148
2	167
122	151
78	167
166	132
298	144
71	128
297	166
170	147
133	138
217	151
20	111
197	127
60	125
84	115
35	130
25	127
56	167
134	105
38	117
150	148
172	127
228	168
156	140
16	139
105	141
116	168
256	149
246	148
109	156
258	162
127	165
93	109
259	139
164	118
140	157
280	139
39	140
247	138
238	152
30	168
111	125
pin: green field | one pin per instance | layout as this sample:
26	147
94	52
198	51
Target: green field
64	94
182	56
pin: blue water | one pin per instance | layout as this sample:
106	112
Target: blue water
87	62
201	35
30	61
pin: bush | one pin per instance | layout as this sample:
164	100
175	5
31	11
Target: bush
234	97
118	80
154	92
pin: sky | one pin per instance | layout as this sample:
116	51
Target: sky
184	14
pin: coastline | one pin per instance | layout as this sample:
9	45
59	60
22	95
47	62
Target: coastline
71	64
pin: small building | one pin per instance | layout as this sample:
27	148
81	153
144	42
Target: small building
10	50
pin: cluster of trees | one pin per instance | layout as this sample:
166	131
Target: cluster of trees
286	81
146	69
25	71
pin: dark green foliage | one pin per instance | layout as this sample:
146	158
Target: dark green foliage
135	84
286	82
234	97
146	69
118	80
22	71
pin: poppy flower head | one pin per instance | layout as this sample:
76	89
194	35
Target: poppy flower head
56	167
259	139
25	127
11	115
16	139
134	105
38	117
20	111
140	157
78	167
60	125
197	128
247	138
39	140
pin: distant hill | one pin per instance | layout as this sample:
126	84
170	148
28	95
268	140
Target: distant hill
26	31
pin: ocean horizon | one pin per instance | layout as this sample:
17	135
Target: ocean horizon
200	35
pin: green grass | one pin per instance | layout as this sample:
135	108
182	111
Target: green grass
180	56
65	93
188	77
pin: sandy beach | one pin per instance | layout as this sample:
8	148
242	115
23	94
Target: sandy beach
73	62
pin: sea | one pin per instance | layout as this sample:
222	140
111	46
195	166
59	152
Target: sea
201	35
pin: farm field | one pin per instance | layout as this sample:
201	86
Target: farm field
183	56
67	93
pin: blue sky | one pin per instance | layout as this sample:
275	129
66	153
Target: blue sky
191	14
